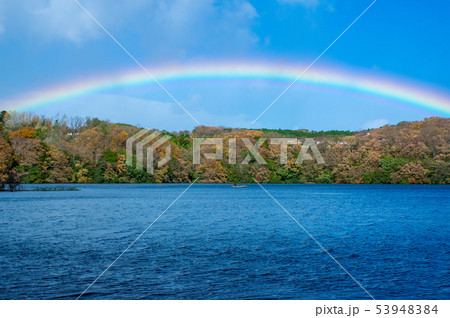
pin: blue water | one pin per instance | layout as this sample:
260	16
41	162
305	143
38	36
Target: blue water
217	242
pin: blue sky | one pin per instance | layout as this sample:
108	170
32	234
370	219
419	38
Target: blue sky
48	42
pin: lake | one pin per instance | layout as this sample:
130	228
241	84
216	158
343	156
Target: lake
217	242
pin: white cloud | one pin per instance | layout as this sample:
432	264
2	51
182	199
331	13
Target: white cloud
165	26
182	26
375	123
142	112
63	19
53	19
307	3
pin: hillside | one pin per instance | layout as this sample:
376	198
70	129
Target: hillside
75	150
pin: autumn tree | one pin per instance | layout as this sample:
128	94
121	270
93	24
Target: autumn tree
58	166
62	149
8	173
3	115
412	172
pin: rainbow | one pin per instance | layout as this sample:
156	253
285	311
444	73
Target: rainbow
411	94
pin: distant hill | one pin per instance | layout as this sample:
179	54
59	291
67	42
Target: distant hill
83	150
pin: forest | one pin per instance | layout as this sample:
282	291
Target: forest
37	149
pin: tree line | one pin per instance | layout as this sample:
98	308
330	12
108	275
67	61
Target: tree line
37	149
